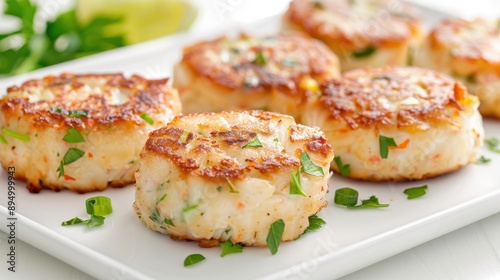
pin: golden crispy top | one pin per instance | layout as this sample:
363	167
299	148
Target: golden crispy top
88	100
236	144
472	40
356	23
405	97
261	63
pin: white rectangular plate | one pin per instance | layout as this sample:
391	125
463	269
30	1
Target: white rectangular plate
124	249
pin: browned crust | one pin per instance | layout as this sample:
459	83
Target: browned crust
146	96
168	142
310	58
393	23
355	98
478	46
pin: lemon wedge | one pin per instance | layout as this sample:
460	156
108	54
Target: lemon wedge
141	19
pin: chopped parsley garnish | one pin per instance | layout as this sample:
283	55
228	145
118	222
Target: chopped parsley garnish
73	136
70	156
232	189
364	52
147	118
254	143
168	222
260	59
493	144
187	209
193	259
295	185
276	139
309	167
274	236
3	140
99	205
161	198
348	197
385	143
483	160
17	135
315	223
344	169
229	248
416	191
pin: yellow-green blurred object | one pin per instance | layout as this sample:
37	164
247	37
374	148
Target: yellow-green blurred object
142	19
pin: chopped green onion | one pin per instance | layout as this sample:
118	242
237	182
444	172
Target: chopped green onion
168	222
344	169
365	52
187	209
99	205
254	143
16	135
416	192
295	185
274	236
385	143
346	197
95	221
492	144
309	167
161	198
193	259
483	160
155	216
73	136
3	140
231	186
73	221
147	119
260	59
229	248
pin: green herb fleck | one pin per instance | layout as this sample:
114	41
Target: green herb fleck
315	223
229	248
483	160
155	216
295	184
364	52
372	202
3	140
231	186
73	136
416	191
318	5
309	167
260	59
147	118
385	143
470	79
193	259
161	198
274	236
95	221
492	144
17	135
276	139
70	156
344	169
346	197
169	222
73	221
254	143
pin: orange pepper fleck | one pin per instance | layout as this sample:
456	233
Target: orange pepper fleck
241	205
69	178
90	155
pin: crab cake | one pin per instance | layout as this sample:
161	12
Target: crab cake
362	33
275	73
397	123
223	176
470	52
81	132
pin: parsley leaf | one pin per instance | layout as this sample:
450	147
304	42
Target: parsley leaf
73	136
309	167
70	156
416	191
493	144
345	170
372	202
229	248
254	143
385	143
193	259
295	185
260	59
274	236
315	223
364	52
168	222
483	160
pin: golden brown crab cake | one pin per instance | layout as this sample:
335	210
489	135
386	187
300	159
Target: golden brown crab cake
275	73
433	121
469	50
222	176
362	33
81	132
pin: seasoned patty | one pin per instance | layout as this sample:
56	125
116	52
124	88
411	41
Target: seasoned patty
228	176
276	73
469	50
81	132
362	33
433	121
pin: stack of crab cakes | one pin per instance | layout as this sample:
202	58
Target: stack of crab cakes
469	50
397	123
274	73
81	132
362	33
